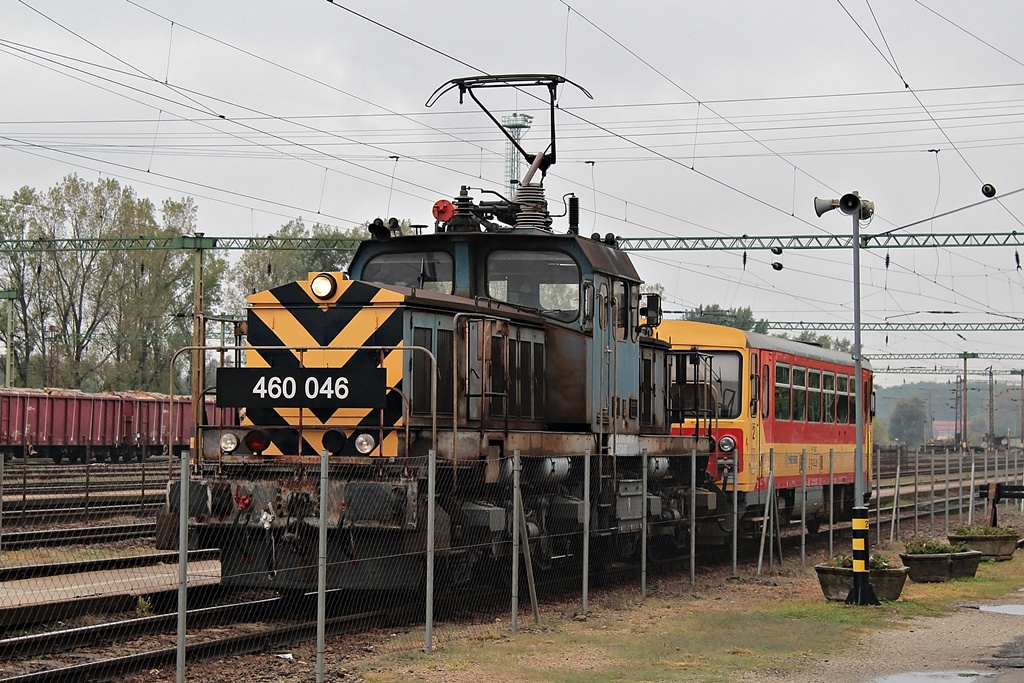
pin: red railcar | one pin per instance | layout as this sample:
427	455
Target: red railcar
65	424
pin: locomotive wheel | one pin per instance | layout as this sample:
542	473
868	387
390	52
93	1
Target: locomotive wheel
56	457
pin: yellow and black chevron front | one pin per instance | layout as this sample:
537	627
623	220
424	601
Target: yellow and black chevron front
357	316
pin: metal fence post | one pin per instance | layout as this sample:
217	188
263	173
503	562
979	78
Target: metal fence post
917	480
946	512
960	491
321	569
878	499
2	457
515	540
831	498
735	513
693	519
88	482
970	504
643	531
765	519
931	505
895	504
431	494
182	563
803	507
586	528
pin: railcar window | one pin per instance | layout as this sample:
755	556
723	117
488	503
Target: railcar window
828	385
814	395
842	400
546	280
782	391
430	270
799	394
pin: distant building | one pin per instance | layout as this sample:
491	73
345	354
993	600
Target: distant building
943	429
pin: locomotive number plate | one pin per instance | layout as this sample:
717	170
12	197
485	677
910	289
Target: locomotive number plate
301	387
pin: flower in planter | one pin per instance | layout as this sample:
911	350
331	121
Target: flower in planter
876	561
934	546
975	530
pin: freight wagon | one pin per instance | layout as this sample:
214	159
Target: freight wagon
71	425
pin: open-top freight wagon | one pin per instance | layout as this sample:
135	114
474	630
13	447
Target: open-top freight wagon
65	424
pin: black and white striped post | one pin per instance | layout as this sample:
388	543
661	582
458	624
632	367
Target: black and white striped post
862	593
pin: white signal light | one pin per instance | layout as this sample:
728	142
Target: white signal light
324	286
365	443
228	442
727	444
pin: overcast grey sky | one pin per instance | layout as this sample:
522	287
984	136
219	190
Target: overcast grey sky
708	118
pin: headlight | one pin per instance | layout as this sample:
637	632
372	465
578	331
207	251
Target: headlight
324	286
228	442
365	443
727	444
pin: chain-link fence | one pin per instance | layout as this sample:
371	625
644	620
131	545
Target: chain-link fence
374	566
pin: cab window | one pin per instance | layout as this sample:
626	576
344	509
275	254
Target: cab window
430	270
548	281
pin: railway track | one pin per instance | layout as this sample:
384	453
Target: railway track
213	648
36	538
62	515
931	504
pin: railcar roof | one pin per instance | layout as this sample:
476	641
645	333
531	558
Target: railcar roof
686	334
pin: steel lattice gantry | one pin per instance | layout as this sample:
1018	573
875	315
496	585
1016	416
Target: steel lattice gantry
1003	326
887	241
877	357
882	241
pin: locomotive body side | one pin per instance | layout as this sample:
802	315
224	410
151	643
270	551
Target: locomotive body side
545	378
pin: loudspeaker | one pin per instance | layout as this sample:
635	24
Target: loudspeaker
823	205
849	204
867	209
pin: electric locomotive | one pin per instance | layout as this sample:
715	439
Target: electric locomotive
772	396
496	333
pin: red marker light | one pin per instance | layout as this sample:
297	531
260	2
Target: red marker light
257	441
444	210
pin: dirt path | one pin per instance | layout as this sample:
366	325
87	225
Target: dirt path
966	640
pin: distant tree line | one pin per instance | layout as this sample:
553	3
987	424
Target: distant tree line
112	320
743	318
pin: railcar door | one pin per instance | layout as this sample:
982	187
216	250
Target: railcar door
758	377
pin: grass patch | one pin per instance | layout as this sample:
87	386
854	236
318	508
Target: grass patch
685	639
81	553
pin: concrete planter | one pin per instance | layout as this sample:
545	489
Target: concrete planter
933	568
992	547
837	582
